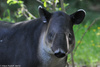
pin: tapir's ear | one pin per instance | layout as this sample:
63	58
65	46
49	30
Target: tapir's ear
78	16
44	14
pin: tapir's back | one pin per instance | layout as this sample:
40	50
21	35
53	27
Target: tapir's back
19	42
4	27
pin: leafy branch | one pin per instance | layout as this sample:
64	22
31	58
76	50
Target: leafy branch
53	4
22	10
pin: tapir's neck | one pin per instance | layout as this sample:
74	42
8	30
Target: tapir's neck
46	56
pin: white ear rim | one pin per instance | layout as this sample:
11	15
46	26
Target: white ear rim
40	7
82	10
45	21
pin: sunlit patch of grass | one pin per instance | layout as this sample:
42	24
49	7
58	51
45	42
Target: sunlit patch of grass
88	51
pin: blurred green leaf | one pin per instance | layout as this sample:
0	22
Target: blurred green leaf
56	1
8	1
65	5
21	2
60	8
43	0
45	4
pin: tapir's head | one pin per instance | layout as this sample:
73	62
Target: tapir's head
59	37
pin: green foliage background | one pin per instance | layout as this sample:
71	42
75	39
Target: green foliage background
88	53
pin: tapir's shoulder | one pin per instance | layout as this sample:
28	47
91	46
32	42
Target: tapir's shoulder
4	24
4	27
8	27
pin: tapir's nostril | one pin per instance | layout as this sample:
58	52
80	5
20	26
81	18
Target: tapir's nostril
59	54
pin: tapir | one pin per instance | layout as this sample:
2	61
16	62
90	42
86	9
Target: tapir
42	42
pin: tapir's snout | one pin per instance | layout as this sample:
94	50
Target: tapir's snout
59	53
59	45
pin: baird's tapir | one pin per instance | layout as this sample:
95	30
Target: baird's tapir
43	42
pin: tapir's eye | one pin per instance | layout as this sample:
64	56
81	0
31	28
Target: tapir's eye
50	37
70	38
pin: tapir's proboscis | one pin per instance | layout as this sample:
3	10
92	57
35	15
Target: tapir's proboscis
42	42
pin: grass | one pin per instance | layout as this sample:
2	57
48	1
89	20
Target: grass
88	51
